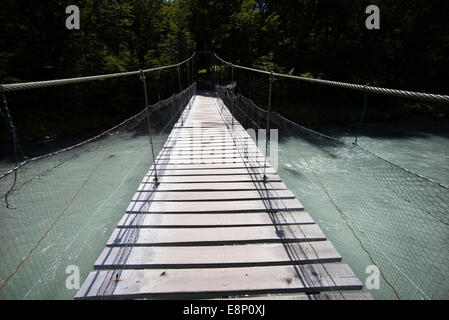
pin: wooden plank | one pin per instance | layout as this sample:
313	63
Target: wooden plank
205	148
210	144
212	152
213	135
213	178
212	166
212	172
218	257
201	150
214	236
216	282
208	156
200	130
247	144
216	140
271	205
236	186
196	220
228	145
212	195
205	123
237	161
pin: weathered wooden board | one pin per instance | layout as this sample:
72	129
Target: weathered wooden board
218	257
209	146
235	186
212	172
213	220
213	178
237	161
271	205
210	154
206	135
212	195
214	236
212	166
204	151
216	282
216	156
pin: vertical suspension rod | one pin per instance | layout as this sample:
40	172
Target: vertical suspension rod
232	90
142	77
179	78
268	127
188	80
180	89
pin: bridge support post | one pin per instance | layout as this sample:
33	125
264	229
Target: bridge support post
215	72
232	90
188	81
179	78
147	106
222	75
180	90
268	127
188	73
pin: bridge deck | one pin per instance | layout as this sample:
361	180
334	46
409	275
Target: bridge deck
213	228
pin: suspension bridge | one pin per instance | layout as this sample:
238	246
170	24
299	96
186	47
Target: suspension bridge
211	225
212	218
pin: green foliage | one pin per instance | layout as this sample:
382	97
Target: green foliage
325	39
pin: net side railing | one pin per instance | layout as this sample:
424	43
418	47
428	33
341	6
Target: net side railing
64	205
374	211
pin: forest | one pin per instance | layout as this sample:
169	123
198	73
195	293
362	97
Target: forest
324	39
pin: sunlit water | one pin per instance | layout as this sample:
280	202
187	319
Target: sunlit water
401	219
107	174
81	234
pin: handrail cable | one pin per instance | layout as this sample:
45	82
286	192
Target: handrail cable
365	88
52	83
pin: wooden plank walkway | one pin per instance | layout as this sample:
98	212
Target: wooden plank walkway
213	228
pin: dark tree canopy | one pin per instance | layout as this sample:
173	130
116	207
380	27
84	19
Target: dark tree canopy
326	39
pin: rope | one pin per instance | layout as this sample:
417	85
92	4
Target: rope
386	91
52	83
8	119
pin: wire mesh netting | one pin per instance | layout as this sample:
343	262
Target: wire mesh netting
63	204
399	218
